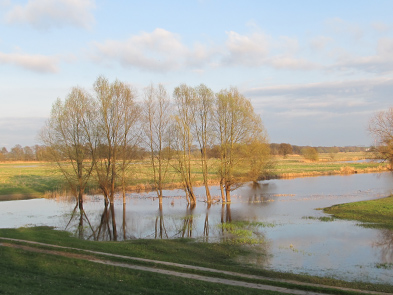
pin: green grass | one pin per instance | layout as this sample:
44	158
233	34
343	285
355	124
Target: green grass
34	273
34	179
28	179
375	213
295	165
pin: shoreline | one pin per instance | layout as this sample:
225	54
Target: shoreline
146	187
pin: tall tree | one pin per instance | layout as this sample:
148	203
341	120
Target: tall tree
156	123
117	117
203	128
68	134
237	126
381	127
183	140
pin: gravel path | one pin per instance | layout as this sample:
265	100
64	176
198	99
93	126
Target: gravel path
83	254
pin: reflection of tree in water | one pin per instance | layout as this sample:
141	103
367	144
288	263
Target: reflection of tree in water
385	244
124	225
107	230
81	231
226	217
160	231
226	213
257	193
206	224
188	222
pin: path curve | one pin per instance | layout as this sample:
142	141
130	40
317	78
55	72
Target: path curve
232	282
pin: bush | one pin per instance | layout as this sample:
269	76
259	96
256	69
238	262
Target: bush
310	153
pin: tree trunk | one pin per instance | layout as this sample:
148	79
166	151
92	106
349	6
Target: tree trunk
228	193
114	229
222	190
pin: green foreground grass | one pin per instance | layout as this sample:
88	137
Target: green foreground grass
23	272
36	179
374	213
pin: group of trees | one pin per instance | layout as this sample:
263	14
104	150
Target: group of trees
99	133
27	153
287	149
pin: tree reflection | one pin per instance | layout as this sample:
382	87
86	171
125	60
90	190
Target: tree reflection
226	213
124	225
206	224
107	228
81	231
257	194
188	221
160	231
385	244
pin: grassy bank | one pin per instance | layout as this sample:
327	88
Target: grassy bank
35	179
341	163
376	213
40	273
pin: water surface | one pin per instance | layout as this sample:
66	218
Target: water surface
279	215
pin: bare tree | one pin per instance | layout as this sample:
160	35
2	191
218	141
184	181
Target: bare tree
203	128
183	140
238	130
116	124
381	127
156	123
69	135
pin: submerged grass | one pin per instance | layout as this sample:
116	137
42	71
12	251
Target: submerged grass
323	218
374	213
38	273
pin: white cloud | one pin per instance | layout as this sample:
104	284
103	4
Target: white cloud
248	50
258	49
159	50
327	98
37	63
381	62
289	62
43	14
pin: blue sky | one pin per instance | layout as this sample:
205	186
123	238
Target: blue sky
316	71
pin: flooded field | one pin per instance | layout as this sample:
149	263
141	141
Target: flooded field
277	218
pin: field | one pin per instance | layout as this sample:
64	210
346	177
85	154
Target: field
340	163
37	179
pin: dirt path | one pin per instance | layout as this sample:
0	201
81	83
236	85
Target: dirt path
232	282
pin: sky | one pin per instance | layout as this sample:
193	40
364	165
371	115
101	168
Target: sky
316	71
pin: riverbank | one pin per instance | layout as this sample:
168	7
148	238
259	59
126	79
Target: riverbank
42	179
35	268
374	213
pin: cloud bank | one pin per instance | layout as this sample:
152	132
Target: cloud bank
44	14
37	63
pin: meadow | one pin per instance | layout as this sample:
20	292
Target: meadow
38	179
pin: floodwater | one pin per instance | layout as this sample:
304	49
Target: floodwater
278	218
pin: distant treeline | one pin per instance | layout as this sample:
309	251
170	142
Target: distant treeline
287	149
41	153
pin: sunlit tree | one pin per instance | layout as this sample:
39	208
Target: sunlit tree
238	129
381	127
156	122
69	135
